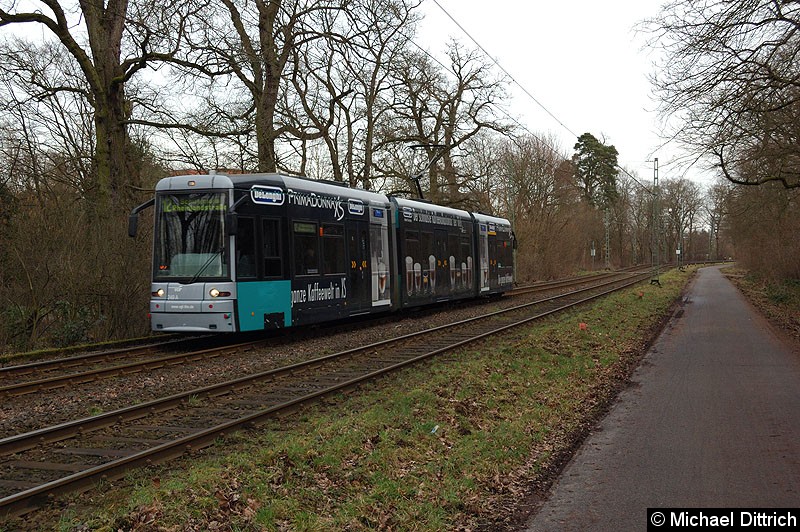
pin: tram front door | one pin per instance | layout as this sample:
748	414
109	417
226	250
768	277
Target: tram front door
360	274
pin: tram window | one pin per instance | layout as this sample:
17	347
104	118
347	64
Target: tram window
505	253
273	265
426	244
453	247
306	258
412	244
466	248
246	248
466	261
412	256
333	249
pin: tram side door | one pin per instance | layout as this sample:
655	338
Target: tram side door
360	274
483	253
441	280
493	253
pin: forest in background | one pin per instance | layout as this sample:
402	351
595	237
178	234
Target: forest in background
120	93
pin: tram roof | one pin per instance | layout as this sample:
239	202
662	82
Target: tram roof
246	181
330	188
198	181
481	217
424	206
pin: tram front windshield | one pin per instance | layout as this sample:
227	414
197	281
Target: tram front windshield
190	237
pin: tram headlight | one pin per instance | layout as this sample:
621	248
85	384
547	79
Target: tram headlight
216	293
159	293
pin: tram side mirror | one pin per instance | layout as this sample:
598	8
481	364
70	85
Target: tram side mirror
232	223
133	218
133	225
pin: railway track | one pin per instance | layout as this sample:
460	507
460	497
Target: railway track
46	375
74	455
556	284
59	373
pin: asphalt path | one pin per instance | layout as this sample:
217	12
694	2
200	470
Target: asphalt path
712	420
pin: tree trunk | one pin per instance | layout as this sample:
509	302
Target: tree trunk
110	162
105	25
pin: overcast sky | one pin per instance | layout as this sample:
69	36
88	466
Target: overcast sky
581	59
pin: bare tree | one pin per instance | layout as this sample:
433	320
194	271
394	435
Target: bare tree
416	75
382	30
630	214
343	81
109	42
717	215
534	187
254	46
731	82
61	281
447	109
640	222
682	203
763	225
56	132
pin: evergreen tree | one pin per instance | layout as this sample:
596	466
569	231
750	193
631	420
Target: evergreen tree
596	170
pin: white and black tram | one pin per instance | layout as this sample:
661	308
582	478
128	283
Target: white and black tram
264	251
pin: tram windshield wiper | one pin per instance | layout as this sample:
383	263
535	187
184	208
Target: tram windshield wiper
209	261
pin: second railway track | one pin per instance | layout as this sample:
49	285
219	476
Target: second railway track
45	375
73	455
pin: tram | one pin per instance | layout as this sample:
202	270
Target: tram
246	252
